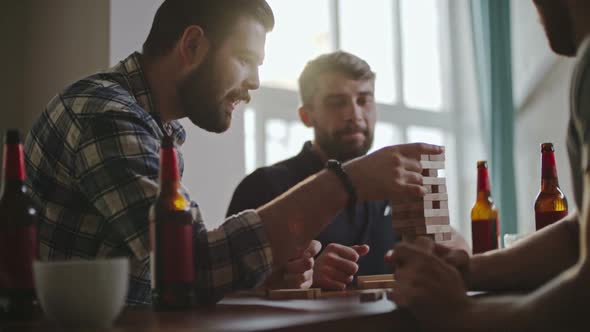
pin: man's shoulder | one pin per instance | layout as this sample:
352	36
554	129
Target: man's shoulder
99	93
580	94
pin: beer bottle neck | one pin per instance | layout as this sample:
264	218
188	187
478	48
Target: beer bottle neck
14	163
483	184
548	171
13	169
169	173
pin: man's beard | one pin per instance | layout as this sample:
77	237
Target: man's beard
335	148
202	101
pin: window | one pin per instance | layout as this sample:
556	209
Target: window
406	42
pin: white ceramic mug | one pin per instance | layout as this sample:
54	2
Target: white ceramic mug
82	293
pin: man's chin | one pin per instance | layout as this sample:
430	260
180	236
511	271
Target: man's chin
217	127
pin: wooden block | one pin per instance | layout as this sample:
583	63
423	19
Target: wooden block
436	157
419	214
433	157
434	181
400	206
432	164
430	172
436	189
410	237
295	294
439	237
427	197
440	205
400	224
424	229
374	277
372	296
372	284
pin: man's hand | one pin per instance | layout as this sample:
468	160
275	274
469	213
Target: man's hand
298	273
457	258
391	171
430	288
336	266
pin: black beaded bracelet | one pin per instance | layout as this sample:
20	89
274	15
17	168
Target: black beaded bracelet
336	167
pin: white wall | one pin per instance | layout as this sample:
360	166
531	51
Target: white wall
48	44
542	83
65	41
214	163
12	16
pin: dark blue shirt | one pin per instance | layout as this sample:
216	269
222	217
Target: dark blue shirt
372	224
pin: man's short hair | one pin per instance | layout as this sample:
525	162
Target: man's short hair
215	17
335	62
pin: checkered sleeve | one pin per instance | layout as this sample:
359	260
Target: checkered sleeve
116	168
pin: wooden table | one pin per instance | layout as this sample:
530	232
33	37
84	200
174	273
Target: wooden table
251	313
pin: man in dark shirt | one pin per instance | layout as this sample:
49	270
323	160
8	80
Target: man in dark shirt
337	92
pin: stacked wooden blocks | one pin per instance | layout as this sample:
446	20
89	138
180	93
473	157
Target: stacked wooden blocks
426	216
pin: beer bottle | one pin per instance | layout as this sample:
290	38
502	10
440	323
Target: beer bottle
551	203
18	234
484	214
171	238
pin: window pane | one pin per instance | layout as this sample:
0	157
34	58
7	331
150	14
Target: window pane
366	30
284	139
386	134
421	54
250	139
302	32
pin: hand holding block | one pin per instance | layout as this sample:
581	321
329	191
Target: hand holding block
432	164
433	157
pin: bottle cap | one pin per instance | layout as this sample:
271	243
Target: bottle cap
12	137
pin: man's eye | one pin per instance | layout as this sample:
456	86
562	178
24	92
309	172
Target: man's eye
336	103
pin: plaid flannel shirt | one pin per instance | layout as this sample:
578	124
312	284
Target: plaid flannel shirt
92	161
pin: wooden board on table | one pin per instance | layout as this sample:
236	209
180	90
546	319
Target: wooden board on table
373	284
295	294
374	277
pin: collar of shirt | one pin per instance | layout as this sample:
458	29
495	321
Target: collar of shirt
131	68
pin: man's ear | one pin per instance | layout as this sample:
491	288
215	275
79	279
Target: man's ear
193	45
305	116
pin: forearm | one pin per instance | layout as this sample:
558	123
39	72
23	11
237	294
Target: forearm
298	216
559	305
530	263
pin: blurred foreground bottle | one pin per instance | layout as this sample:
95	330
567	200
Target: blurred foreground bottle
171	238
551	203
18	234
484	214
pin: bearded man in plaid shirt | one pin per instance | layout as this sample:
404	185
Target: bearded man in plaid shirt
92	156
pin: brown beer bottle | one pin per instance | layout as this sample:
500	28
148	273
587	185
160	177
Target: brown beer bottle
484	214
551	204
171	238
18	234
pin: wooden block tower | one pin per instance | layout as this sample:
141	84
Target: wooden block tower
426	216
